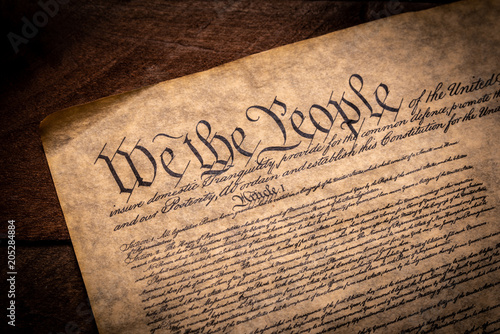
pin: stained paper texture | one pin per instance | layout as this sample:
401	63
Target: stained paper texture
347	183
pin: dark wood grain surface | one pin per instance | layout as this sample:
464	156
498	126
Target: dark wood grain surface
87	50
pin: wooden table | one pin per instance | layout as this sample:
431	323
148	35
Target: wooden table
87	50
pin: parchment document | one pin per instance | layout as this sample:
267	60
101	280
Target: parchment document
343	184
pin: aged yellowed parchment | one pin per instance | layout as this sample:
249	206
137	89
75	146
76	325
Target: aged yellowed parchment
344	184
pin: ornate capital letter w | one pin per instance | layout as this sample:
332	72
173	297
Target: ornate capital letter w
139	180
